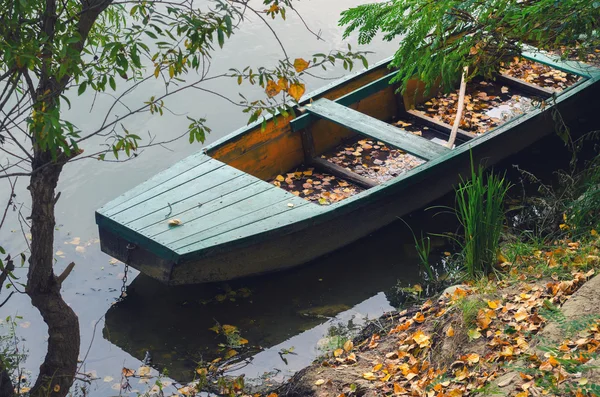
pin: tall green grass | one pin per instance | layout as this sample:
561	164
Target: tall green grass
480	210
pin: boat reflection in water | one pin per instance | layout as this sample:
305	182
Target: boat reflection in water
275	312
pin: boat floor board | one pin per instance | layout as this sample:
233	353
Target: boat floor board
377	129
157	180
192	197
256	220
255	197
245	229
205	171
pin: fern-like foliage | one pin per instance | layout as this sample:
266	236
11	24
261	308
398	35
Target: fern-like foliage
439	37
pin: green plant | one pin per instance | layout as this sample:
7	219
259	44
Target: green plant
423	247
437	39
479	208
469	307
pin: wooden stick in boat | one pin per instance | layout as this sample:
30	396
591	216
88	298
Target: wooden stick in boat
461	105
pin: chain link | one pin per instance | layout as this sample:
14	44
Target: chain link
130	247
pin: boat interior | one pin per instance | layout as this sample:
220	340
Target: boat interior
364	132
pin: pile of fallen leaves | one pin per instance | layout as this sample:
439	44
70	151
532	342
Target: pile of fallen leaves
487	105
539	74
405	358
318	187
372	159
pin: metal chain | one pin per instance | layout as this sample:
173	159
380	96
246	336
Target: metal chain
130	247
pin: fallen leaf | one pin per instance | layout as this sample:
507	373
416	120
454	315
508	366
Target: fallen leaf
127	372
348	345
320	382
80	249
450	332
175	222
421	339
369	376
108	379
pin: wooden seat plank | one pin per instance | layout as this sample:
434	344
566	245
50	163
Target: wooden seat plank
176	169
271	223
182	199
202	171
192	214
223	212
252	218
377	129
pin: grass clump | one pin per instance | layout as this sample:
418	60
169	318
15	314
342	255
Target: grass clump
480	211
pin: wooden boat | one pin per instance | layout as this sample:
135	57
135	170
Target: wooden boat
235	223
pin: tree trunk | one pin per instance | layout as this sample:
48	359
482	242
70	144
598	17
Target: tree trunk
43	287
6	386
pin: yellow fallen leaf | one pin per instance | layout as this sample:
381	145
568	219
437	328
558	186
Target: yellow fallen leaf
320	382
450	332
202	371
472	358
369	376
421	339
280	178
377	367
493	304
230	353
175	222
144	370
521	314
56	388
399	389
348	345
229	329
338	352
593	232
108	379
419	317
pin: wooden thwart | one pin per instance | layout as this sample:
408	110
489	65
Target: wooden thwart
439	125
524	86
382	131
342	172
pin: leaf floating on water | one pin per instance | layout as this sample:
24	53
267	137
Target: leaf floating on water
74	241
108	379
127	372
80	249
144	371
230	353
175	222
290	205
